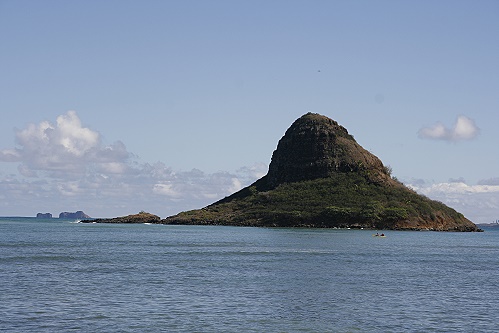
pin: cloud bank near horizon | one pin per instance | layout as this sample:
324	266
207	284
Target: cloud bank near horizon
65	150
463	129
479	203
68	164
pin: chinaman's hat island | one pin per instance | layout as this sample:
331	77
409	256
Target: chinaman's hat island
320	177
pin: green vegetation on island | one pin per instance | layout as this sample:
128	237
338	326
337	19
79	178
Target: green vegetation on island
141	217
344	200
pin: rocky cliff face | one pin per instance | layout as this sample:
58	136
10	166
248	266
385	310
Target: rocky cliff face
317	147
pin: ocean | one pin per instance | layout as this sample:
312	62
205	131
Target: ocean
61	276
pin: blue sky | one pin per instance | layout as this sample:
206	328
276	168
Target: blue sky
113	107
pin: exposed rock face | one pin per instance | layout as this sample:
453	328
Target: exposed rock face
77	215
141	217
316	147
43	216
320	176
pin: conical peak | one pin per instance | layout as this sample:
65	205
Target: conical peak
346	186
315	123
316	146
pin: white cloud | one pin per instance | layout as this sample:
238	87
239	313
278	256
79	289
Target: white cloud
69	188
64	166
196	185
457	188
257	170
63	148
236	185
464	129
25	171
113	168
71	135
479	203
166	189
10	155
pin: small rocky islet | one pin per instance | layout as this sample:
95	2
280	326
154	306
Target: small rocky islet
320	177
142	217
64	215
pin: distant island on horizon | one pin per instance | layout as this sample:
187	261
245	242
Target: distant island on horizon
64	215
320	177
491	224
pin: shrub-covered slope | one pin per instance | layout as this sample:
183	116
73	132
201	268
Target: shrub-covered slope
142	217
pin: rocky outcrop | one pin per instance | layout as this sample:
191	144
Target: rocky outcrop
319	176
43	216
141	217
77	215
317	147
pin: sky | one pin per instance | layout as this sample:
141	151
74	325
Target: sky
114	107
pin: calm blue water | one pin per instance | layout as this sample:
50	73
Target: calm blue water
57	276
